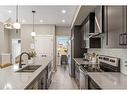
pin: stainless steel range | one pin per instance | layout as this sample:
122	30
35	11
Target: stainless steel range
104	64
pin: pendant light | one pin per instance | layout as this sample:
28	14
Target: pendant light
17	25
33	33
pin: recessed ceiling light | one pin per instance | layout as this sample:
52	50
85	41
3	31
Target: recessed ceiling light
41	20
63	21
63	11
9	11
23	20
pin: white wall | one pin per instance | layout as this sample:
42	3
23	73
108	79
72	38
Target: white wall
40	29
120	53
1	37
8	36
6	41
26	30
63	31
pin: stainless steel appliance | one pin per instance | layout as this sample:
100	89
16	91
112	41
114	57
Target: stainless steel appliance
105	63
83	78
109	64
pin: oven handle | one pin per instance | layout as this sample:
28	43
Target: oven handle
83	71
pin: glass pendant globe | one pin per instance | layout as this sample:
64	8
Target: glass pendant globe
33	34
16	25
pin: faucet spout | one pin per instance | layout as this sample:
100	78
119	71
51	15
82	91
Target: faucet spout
20	61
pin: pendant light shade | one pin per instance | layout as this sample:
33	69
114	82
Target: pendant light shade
33	33
17	25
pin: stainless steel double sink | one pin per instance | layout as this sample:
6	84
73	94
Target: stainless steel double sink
29	68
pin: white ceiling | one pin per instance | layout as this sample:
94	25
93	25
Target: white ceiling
49	14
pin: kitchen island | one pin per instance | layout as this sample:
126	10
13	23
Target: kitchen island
10	79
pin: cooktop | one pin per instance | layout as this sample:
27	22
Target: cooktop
105	64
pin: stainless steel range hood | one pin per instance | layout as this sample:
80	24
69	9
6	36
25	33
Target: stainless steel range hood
98	22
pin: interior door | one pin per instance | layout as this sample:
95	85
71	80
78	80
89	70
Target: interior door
15	49
44	47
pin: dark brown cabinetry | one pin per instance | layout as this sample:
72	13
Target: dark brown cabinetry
76	50
88	29
123	35
43	80
49	76
114	20
77	74
83	35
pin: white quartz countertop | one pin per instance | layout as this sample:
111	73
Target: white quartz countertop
80	61
10	79
106	80
109	80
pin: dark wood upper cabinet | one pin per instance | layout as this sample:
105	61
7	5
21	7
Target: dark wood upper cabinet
114	20
76	47
83	37
77	51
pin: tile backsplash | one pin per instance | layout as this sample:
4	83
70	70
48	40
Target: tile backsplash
120	53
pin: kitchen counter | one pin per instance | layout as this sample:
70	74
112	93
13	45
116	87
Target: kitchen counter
80	61
109	80
106	80
10	79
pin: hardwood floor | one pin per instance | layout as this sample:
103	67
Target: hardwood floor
62	80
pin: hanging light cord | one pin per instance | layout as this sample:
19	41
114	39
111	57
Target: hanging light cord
33	19
17	13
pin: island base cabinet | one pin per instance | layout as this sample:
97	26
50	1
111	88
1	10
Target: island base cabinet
49	79
34	85
43	80
40	82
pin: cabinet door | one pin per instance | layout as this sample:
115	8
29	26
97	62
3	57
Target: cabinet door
83	36
87	34
34	85
114	26
43	80
124	38
77	77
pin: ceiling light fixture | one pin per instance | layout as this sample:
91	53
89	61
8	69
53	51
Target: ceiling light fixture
23	20
63	21
41	20
9	11
63	11
17	25
33	34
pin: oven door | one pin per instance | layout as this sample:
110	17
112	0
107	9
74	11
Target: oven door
83	79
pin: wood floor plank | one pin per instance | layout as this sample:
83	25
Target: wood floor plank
62	80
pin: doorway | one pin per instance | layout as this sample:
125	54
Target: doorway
16	49
63	49
44	47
